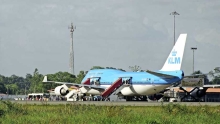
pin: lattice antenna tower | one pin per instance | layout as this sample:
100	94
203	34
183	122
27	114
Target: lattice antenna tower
71	62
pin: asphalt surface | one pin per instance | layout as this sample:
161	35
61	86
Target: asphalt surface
119	103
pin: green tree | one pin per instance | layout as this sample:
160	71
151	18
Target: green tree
8	86
96	67
80	77
36	82
121	69
215	76
14	88
2	86
27	83
135	68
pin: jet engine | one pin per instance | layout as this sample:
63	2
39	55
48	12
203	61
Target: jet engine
61	90
197	93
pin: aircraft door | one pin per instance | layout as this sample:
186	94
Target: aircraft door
95	81
126	80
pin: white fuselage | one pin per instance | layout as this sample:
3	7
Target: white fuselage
130	90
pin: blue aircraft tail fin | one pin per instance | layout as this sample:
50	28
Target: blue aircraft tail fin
175	57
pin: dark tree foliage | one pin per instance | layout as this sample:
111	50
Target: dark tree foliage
96	67
215	75
33	82
135	68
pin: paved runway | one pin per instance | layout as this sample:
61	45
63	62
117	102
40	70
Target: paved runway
106	103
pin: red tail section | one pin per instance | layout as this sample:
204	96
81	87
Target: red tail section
87	82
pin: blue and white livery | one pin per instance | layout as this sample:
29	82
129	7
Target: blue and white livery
140	83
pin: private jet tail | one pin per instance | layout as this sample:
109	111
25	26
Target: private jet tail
174	60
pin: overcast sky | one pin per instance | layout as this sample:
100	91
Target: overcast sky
109	33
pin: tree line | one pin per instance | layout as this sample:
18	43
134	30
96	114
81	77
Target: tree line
32	83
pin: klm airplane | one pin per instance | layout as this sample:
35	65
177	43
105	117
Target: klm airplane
105	81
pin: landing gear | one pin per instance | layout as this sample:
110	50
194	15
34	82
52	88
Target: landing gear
136	98
128	98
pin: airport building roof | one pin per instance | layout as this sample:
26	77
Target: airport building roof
209	90
2	94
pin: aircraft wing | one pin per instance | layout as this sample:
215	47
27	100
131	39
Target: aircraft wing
160	74
75	84
211	86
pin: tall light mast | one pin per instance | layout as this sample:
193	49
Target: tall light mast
174	14
71	62
193	48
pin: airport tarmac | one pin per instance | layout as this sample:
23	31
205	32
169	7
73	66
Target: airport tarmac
119	103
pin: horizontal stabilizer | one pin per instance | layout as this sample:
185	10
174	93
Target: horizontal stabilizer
46	81
161	74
